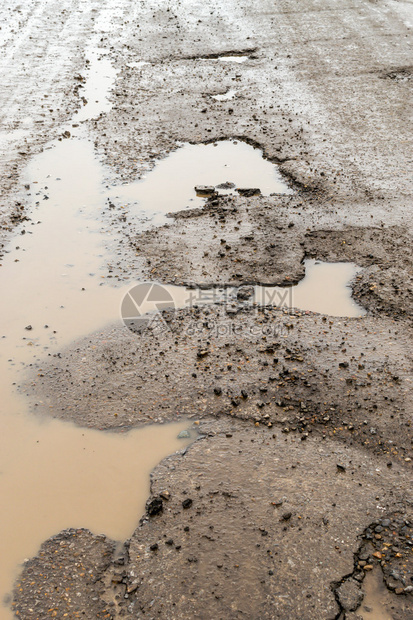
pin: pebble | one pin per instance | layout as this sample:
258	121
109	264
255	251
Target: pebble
248	191
154	507
204	189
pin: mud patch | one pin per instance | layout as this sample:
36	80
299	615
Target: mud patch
381	584
345	378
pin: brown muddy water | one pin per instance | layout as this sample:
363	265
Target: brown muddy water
376	598
54	475
170	186
100	79
324	289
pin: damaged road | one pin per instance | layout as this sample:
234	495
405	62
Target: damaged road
299	484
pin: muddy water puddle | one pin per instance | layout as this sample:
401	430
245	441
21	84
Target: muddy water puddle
53	269
100	78
377	599
54	475
170	186
325	289
57	476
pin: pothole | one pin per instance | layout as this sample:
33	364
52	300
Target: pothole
225	167
326	289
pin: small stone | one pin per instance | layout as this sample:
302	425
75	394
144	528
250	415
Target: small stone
28	327
205	190
132	587
226	185
245	292
154	507
248	191
286	516
368	567
187	503
184	435
154	547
